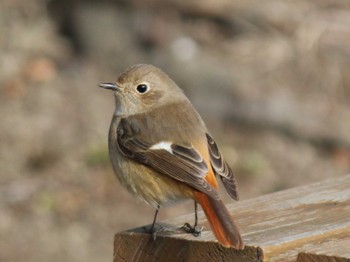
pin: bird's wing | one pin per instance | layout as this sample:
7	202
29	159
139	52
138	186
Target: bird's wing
182	163
222	169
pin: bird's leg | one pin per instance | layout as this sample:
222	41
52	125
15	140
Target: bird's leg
195	214
153	231
195	229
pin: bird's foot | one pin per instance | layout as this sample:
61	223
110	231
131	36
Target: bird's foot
153	230
194	230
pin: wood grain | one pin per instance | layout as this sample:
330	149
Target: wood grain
297	224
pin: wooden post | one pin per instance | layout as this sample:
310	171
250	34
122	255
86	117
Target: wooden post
304	224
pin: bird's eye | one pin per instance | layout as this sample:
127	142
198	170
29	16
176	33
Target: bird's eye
142	88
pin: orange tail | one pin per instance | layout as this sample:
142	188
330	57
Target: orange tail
221	223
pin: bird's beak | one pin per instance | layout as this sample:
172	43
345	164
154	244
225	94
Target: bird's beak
111	86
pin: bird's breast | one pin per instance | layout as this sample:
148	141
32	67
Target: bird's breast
149	185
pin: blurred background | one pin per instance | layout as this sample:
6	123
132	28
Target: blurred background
270	78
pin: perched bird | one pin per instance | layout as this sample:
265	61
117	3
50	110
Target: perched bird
162	152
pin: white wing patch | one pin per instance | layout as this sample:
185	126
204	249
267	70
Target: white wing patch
163	145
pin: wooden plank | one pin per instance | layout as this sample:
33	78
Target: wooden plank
312	220
138	246
306	257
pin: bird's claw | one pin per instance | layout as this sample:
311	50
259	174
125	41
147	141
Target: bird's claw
154	230
194	230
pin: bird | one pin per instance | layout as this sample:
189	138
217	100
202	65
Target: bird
162	151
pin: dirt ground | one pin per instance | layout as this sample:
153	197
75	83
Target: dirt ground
271	80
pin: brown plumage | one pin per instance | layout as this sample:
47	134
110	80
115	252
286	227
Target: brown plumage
162	152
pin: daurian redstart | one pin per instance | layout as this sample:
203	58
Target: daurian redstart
162	152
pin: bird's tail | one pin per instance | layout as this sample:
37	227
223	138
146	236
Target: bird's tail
221	222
